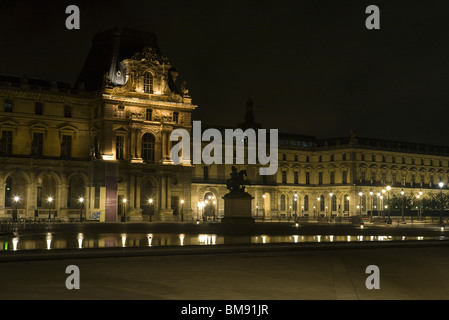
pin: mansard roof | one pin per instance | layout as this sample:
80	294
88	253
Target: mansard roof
108	49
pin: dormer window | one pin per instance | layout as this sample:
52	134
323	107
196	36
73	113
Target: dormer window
175	117
148	83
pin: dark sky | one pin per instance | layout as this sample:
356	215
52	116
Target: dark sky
311	67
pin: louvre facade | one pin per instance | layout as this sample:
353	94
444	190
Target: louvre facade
100	149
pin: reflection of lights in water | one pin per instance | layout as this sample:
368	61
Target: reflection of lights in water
318	238
331	238
420	238
295	238
123	239
348	238
403	238
48	238
14	243
150	239
441	228
207	239
181	239
80	238
264	239
360	238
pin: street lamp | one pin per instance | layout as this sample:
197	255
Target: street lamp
124	210
372	204
402	202
330	201
441	185
150	203
263	216
15	213
420	207
81	201
296	205
182	209
360	197
49	200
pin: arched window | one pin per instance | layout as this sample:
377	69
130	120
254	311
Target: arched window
334	203
322	203
346	203
147	147
148	82
283	202
306	203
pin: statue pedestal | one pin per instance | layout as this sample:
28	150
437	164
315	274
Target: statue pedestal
237	208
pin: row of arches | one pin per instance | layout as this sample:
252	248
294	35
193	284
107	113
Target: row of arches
21	191
321	203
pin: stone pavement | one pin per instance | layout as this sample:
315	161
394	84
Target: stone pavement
406	272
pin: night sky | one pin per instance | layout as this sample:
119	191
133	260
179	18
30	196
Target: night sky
311	67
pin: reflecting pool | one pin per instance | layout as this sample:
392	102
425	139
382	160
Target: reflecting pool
50	241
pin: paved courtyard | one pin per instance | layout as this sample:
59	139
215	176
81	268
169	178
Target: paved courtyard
407	272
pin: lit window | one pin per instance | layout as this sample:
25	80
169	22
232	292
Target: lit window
148	83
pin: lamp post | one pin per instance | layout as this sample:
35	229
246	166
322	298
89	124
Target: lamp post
263	216
182	210
81	201
372	204
49	200
402	204
124	210
383	193
441	185
388	200
150	204
348	198
15	213
360	201
420	206
330	203
319	205
296	206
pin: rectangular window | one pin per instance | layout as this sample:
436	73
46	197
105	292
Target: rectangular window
66	146
149	115
332	177
344	179
344	156
307	177
8	105
284	177
320	178
37	145
296	180
6	142
38	108
119	147
67	111
175	117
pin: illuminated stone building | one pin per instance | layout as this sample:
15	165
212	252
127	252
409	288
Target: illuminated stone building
107	139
